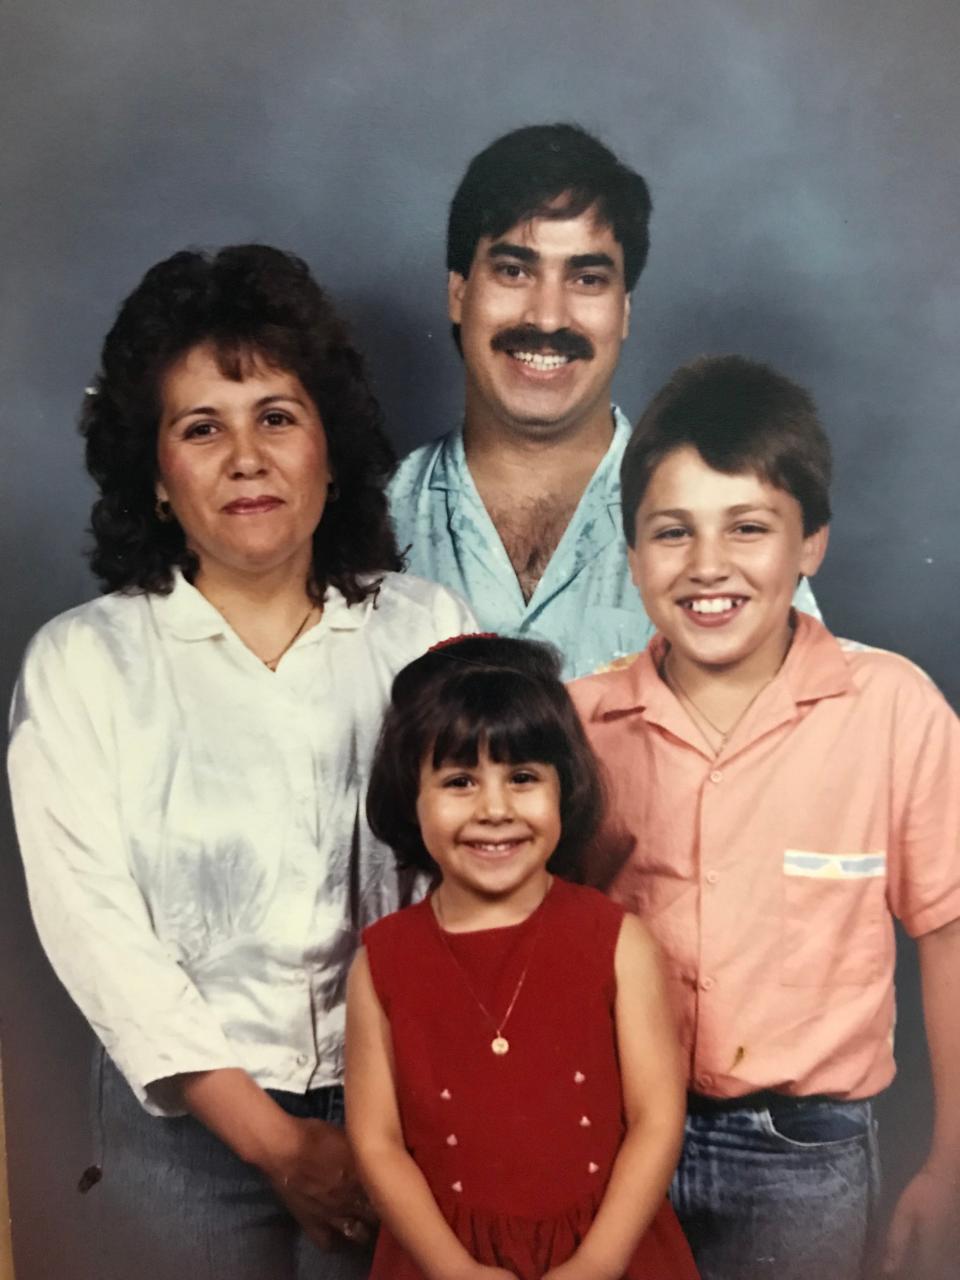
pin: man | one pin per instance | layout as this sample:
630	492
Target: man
520	510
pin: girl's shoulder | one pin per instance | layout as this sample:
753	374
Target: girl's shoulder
587	922
395	944
580	902
397	927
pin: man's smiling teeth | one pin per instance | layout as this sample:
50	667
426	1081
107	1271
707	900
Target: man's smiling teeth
719	604
538	361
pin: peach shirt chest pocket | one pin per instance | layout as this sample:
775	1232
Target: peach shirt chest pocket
836	922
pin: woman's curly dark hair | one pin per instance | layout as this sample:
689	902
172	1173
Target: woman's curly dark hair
247	301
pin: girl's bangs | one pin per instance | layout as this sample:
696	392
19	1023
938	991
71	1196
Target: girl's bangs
504	713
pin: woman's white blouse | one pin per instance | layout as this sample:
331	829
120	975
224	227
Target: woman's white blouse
192	824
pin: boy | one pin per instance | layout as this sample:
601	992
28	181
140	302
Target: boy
779	796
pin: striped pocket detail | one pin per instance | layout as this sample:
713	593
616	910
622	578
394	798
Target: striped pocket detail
834	866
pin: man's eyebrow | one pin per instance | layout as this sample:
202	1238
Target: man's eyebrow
581	260
507	249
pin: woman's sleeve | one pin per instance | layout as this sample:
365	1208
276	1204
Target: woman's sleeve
452	615
91	916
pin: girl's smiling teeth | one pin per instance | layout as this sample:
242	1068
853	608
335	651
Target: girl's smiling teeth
495	848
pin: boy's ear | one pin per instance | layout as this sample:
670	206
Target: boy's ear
813	550
633	560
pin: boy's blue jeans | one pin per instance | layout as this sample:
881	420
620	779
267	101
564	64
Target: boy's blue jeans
778	1187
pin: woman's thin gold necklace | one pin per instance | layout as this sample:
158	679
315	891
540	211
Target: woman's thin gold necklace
272	662
499	1044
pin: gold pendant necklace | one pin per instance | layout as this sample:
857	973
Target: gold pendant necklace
499	1045
271	663
699	714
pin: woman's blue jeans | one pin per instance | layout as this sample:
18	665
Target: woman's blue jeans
173	1203
778	1189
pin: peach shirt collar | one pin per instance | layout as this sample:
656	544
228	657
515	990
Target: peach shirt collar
814	668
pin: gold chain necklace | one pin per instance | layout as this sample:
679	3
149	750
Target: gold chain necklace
499	1044
272	662
700	714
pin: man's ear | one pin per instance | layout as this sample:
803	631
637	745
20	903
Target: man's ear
456	286
625	330
813	551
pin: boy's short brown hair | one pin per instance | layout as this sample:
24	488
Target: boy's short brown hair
740	416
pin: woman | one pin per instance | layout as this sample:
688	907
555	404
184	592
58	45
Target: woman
189	756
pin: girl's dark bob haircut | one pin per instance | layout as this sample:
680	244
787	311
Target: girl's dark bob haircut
473	694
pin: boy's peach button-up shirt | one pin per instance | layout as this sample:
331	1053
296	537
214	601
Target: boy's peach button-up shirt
770	875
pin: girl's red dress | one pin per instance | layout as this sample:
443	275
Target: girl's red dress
517	1149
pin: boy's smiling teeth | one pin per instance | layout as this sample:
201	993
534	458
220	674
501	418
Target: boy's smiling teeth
716	604
537	360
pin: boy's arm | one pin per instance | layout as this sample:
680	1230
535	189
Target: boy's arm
654	1104
924	1234
397	1187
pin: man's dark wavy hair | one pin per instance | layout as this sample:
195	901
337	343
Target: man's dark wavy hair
492	693
548	171
249	303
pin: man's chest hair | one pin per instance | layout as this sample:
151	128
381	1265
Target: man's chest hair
530	529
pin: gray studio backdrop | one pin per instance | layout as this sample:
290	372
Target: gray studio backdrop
804	164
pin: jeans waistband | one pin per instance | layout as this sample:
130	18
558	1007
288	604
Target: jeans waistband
698	1104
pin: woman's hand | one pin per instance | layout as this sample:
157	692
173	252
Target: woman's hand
308	1162
315	1177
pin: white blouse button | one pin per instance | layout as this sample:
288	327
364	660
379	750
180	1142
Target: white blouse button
578	1077
584	1122
456	1186
592	1168
451	1139
445	1094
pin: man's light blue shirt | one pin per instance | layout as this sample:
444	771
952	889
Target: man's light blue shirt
585	604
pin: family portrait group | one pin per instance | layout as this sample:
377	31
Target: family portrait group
486	864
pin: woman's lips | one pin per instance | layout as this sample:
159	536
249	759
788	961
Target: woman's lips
252	506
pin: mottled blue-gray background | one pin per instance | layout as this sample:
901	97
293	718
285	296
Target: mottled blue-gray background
804	162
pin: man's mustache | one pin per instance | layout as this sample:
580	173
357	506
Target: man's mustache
562	342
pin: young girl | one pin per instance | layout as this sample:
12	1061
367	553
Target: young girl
514	1091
